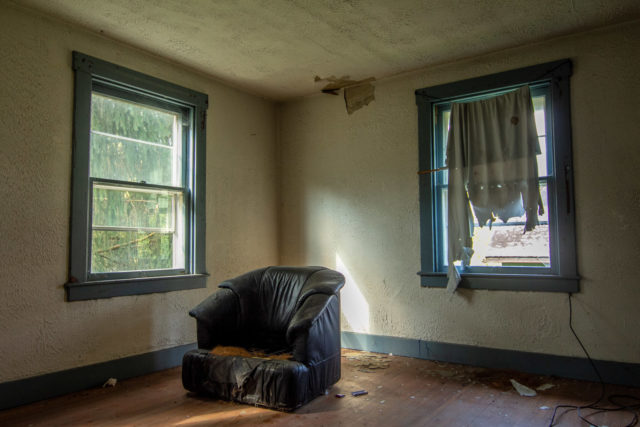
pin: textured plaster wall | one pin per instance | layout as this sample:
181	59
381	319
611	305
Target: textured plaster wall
39	331
349	199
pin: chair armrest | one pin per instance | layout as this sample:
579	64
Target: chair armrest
325	281
217	318
314	330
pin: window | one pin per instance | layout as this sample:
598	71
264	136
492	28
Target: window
138	197
504	257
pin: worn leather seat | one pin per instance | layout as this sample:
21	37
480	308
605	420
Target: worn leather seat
274	309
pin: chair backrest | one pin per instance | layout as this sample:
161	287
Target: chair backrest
269	297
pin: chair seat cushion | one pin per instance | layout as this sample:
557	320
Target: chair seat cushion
272	383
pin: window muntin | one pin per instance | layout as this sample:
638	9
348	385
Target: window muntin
502	247
135	142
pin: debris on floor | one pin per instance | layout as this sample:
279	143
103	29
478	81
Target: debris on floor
463	374
545	386
443	373
523	389
340	395
111	382
467	375
368	362
359	393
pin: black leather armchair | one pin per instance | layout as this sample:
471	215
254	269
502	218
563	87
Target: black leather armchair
274	309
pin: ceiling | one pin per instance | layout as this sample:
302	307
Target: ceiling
275	48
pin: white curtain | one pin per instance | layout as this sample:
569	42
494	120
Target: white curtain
491	156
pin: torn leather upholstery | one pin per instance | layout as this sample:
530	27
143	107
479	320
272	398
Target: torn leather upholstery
273	309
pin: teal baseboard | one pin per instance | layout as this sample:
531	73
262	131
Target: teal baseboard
537	363
21	392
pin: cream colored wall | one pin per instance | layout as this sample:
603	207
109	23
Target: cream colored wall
39	331
349	199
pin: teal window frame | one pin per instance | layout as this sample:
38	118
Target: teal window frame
561	276
96	75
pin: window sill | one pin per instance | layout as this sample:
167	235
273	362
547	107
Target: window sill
505	282
80	291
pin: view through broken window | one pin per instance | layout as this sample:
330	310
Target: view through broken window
500	244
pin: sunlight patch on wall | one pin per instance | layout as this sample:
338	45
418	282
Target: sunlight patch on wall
354	306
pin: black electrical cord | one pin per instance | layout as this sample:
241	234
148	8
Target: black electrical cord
613	399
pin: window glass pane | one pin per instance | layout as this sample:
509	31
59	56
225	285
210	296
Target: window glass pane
114	158
130	120
442	158
136	229
443	224
538	108
117	251
539	103
136	143
126	207
542	157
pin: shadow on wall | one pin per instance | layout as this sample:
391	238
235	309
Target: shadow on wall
355	307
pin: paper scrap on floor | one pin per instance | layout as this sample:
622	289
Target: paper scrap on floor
523	389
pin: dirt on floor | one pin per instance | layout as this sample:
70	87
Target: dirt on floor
369	362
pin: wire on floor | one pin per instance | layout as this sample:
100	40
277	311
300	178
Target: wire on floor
616	401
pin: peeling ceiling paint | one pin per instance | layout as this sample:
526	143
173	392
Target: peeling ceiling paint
273	48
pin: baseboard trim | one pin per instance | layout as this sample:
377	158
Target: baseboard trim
537	363
28	390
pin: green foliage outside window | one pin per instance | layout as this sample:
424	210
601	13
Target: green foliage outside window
130	251
118	117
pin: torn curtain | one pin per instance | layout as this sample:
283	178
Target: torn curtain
491	156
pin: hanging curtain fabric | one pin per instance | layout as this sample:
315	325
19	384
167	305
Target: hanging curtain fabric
491	156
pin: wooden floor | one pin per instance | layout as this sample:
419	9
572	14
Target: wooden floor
402	392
